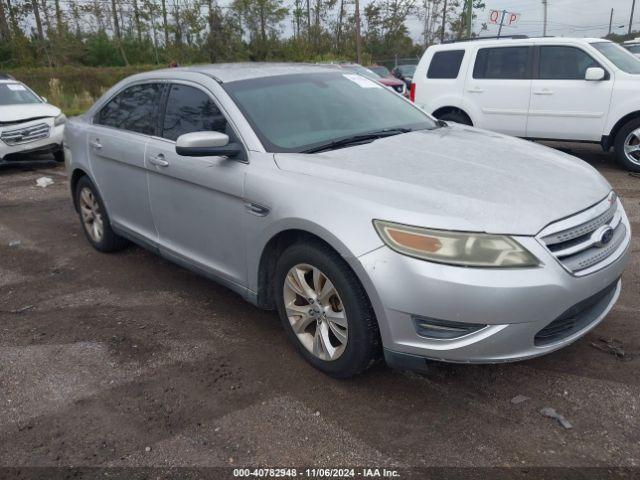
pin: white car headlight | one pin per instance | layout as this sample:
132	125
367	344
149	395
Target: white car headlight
60	120
455	248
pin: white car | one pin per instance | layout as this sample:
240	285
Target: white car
28	124
573	89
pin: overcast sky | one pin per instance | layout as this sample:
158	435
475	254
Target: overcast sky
576	18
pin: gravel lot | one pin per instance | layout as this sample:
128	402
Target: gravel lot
129	360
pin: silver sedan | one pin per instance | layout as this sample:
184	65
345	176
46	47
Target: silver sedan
373	229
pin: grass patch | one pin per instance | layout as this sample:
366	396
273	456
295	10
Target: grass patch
74	89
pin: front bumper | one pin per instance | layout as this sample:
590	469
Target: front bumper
50	144
514	304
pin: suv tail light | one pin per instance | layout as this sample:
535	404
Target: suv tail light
412	93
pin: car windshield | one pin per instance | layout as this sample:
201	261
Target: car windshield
380	70
16	94
620	57
407	70
298	112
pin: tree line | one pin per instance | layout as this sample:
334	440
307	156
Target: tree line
123	32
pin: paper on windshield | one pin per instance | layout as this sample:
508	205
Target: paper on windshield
361	81
15	87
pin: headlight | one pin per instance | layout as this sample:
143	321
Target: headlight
455	248
60	120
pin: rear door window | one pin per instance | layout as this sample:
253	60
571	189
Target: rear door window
504	63
189	109
134	109
445	64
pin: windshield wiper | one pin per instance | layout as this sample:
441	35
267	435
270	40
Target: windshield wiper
357	139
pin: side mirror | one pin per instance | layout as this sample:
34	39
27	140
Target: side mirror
594	74
44	99
206	144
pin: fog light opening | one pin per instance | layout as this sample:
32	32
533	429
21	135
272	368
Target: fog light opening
443	329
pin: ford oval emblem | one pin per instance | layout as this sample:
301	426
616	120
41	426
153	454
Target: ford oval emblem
604	237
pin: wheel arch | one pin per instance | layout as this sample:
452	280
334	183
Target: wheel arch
277	243
76	175
609	140
451	109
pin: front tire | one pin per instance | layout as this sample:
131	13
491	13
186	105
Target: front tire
627	145
325	311
95	220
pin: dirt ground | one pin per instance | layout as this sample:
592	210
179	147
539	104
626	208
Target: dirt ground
128	360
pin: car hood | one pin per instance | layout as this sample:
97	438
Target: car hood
458	178
17	113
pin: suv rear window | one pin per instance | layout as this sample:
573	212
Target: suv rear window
445	64
510	63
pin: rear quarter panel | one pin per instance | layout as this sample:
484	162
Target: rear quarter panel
75	145
433	94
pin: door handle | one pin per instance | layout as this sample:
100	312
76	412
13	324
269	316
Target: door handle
544	91
475	90
158	161
96	144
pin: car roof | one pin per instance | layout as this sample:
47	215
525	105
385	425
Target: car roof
516	41
231	72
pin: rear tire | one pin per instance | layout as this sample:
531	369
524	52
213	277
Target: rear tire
627	145
94	218
340	337
455	116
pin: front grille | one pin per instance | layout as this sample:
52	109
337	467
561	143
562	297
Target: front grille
576	318
584	241
18	136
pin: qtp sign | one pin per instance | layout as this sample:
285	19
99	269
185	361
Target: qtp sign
503	17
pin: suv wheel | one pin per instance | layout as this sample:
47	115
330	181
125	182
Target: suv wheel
94	218
627	145
325	311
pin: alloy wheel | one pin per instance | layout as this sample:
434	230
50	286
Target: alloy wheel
632	147
316	312
91	215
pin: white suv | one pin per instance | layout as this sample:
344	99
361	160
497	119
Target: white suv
574	89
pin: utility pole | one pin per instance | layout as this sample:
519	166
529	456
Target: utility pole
469	17
358	52
633	7
444	21
610	22
504	12
544	28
